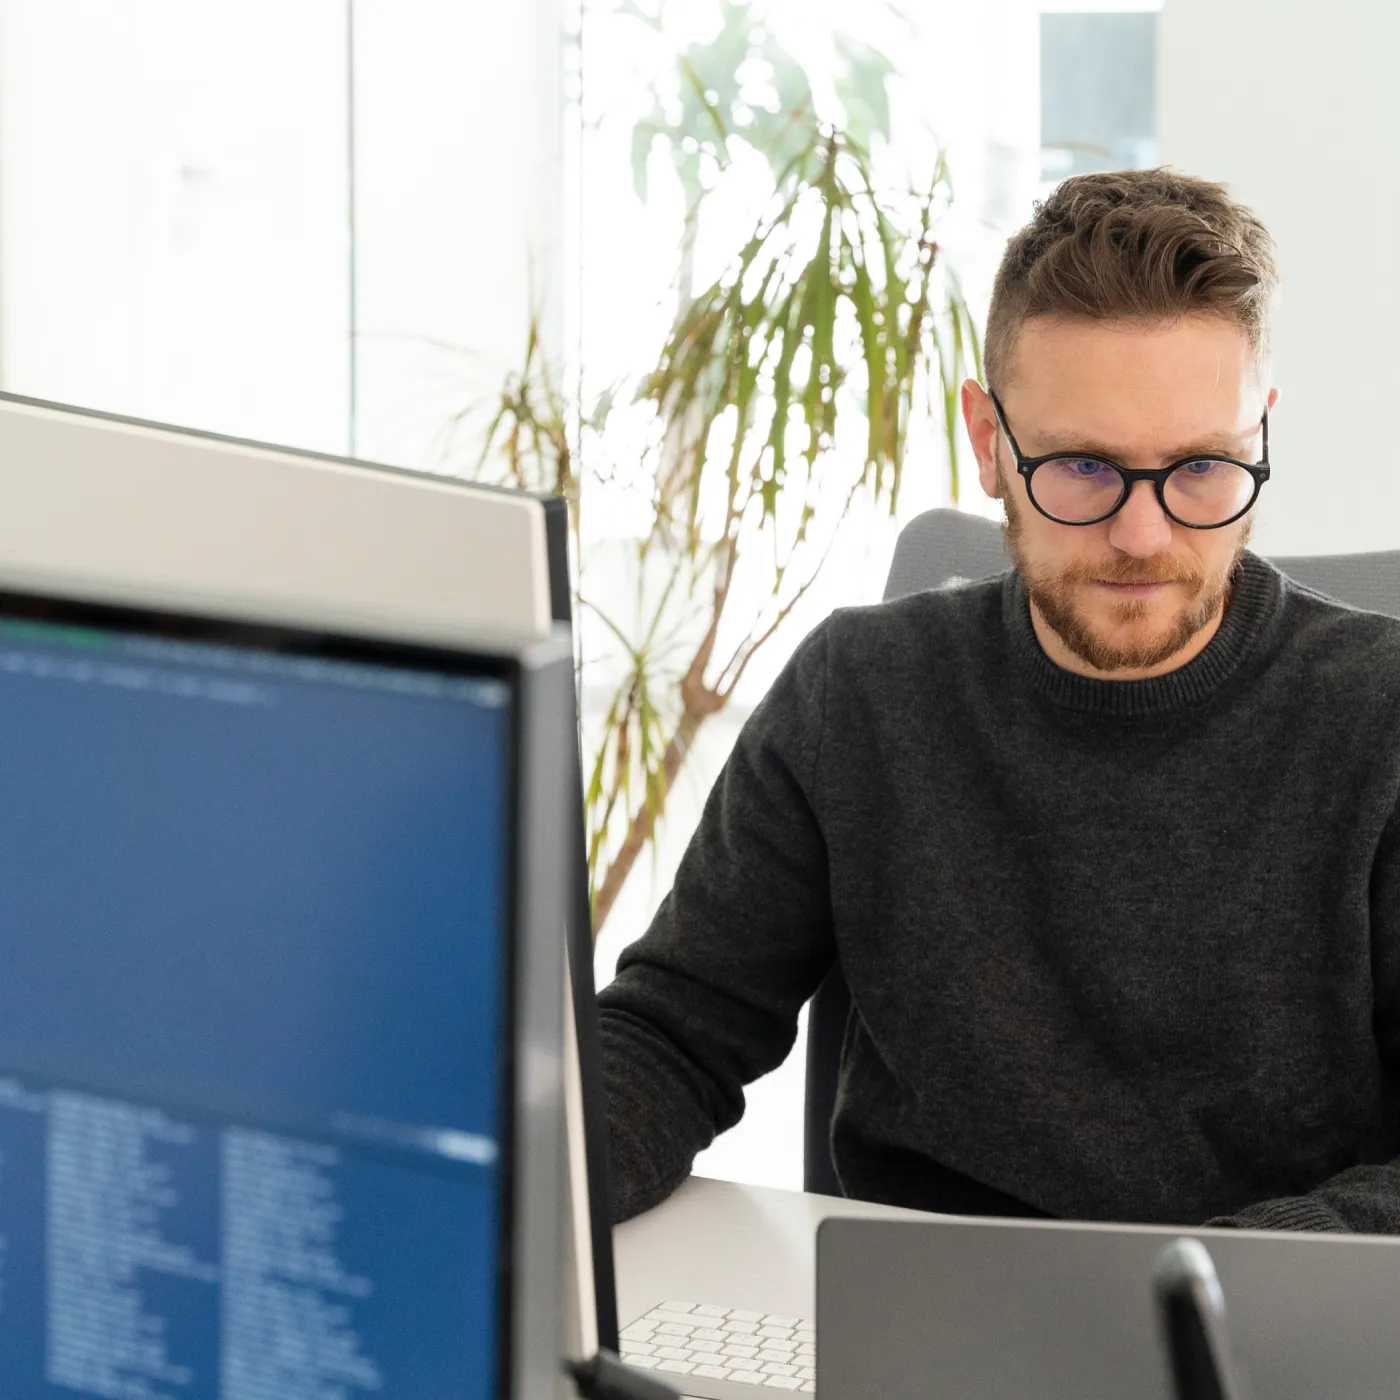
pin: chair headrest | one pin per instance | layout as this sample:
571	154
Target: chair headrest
942	545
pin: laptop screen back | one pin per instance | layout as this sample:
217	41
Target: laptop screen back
254	906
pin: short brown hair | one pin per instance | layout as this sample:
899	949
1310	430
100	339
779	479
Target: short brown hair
1146	245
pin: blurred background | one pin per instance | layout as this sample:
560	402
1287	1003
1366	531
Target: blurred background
711	268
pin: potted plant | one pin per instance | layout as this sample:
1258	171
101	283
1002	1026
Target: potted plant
783	392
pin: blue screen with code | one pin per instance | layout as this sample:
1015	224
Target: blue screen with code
253	921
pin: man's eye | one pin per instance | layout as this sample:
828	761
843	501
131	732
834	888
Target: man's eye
1083	466
1202	468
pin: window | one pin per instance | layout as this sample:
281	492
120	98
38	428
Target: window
1098	93
319	224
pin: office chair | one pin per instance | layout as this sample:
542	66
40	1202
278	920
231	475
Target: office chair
933	549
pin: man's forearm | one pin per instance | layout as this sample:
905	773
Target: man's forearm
657	1121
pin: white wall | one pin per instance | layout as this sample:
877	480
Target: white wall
175	216
459	204
173	213
1297	107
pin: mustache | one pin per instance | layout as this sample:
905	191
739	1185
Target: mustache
1161	569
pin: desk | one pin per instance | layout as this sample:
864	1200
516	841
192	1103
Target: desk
721	1242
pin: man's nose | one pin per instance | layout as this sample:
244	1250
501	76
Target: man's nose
1141	528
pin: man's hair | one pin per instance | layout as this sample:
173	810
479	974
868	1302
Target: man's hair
1138	245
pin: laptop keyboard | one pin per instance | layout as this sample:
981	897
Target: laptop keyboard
724	1344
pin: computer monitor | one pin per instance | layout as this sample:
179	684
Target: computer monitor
212	580
279	1011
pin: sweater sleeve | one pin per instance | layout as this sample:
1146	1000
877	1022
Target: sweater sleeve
708	1000
1363	1199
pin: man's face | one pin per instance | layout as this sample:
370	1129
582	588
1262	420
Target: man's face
1136	594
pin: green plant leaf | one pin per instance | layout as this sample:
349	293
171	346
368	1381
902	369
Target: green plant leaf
823	321
862	85
787	330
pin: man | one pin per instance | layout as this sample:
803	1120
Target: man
1107	848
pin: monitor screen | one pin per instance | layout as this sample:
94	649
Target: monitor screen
254	1015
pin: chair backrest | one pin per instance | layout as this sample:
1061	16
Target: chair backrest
934	549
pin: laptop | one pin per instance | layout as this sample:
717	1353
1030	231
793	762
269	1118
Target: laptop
962	1308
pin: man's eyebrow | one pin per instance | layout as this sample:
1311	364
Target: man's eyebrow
1218	447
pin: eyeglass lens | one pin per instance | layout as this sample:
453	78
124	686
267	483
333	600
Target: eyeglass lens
1077	490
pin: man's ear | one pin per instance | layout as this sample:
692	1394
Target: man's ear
982	431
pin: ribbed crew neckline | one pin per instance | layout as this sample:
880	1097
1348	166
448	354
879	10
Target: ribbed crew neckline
1254	605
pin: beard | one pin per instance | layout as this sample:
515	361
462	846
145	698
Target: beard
1055	596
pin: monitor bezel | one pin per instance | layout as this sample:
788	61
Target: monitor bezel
324	643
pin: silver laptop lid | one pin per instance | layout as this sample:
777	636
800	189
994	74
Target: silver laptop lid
1013	1310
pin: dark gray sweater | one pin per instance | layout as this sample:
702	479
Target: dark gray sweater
1118	950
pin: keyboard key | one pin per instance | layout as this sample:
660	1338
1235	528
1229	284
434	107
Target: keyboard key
714	1373
809	1387
734	1349
773	1354
680	1368
660	1315
784	1382
642	1363
772	1321
639	1349
699	1344
677	1307
806	1373
737	1316
710	1334
709	1310
673	1353
748	1377
777	1368
783	1332
674	1329
638	1332
806	1348
739	1327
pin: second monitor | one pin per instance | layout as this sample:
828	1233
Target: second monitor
279	975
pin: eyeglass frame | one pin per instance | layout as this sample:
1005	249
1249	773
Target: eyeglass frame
1130	476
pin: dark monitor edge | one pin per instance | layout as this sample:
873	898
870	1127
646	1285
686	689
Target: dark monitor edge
590	1050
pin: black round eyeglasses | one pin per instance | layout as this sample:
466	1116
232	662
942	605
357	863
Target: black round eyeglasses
1201	492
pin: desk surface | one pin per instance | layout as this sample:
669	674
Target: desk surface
722	1242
